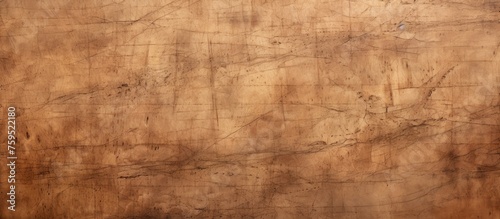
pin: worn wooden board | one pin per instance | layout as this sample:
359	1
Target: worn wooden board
252	109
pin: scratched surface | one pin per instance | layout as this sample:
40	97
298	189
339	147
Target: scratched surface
252	109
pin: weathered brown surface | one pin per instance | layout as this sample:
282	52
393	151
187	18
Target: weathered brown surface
252	109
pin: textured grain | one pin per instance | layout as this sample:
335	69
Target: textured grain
253	109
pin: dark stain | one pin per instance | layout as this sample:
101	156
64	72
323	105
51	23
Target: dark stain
176	213
7	61
185	63
491	5
89	44
326	45
255	20
451	169
238	19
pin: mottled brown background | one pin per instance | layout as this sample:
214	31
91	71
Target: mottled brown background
252	109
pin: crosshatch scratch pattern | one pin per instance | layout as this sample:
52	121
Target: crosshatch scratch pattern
252	109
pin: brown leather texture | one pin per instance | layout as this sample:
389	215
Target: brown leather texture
251	109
